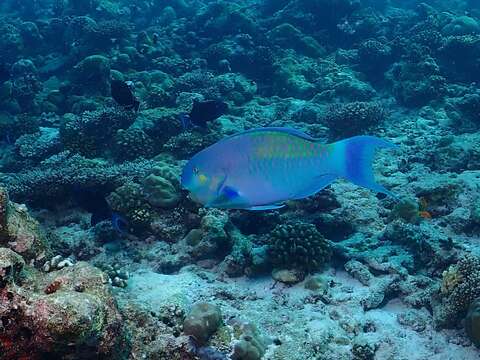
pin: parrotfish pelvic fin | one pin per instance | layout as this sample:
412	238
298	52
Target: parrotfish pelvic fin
266	207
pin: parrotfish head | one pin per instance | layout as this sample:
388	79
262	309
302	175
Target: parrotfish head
202	182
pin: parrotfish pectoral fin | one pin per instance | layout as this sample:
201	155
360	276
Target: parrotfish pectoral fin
266	207
227	198
358	155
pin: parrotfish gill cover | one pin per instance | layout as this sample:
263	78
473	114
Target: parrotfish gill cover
262	168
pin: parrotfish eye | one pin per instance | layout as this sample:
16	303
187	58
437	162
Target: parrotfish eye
196	171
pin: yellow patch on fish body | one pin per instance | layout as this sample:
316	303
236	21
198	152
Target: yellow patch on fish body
202	179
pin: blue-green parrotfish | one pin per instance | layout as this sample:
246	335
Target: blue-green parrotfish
262	168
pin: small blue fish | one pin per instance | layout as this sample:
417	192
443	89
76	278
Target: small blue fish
260	169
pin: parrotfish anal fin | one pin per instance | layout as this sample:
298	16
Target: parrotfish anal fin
266	207
317	183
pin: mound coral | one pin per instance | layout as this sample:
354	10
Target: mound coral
460	288
93	73
299	246
129	200
160	191
202	321
353	118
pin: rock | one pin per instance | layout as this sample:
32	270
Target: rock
316	283
359	271
19	231
379	292
288	276
472	322
11	264
202	321
250	345
66	313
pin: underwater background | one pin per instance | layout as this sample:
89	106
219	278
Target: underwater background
103	255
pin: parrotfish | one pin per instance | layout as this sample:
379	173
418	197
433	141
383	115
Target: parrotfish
261	169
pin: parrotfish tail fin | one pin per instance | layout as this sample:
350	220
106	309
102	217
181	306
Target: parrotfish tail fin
359	152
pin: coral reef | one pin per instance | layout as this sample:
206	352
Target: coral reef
104	255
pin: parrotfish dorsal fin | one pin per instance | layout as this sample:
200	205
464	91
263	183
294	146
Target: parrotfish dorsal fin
290	131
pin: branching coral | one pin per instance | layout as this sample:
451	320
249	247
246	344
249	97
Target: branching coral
57	176
80	134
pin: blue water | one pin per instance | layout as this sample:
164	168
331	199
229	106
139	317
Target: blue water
107	251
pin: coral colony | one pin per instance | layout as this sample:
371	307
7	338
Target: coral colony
240	180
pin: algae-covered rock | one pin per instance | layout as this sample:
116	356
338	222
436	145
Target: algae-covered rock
11	264
64	313
19	231
407	210
250	345
202	321
288	276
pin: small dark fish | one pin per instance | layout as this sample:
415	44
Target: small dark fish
123	95
203	112
94	202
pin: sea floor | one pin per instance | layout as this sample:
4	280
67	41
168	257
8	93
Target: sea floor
303	324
